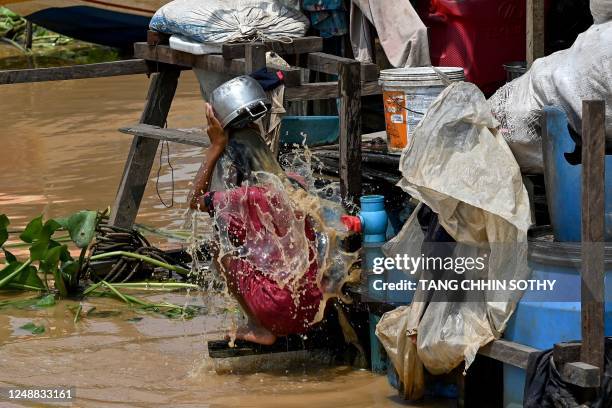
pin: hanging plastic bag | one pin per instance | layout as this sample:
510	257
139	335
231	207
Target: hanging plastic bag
391	331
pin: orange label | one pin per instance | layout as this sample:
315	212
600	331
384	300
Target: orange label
396	119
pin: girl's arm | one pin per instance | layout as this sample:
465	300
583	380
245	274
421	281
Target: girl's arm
218	142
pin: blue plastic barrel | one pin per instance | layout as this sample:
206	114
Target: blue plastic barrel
563	180
541	320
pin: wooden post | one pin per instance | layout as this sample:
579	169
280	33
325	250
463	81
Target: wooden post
28	35
535	30
593	184
349	83
142	153
254	57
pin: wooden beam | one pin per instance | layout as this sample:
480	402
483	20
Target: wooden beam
350	130
255	57
330	64
593	209
326	90
567	352
104	69
195	138
535	30
508	352
581	374
142	152
296	46
210	62
157	38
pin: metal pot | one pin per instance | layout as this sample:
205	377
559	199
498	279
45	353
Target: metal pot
239	101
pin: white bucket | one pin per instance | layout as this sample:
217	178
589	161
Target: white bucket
407	94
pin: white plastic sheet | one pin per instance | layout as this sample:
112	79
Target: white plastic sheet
460	167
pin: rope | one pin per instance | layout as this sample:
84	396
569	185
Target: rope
161	154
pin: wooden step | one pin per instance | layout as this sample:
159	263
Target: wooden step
187	137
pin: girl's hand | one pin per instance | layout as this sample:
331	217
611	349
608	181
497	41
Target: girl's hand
218	137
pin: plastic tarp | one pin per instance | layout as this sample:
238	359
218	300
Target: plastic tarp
217	21
402	34
462	168
601	10
563	79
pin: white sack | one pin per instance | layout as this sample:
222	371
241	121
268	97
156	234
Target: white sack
563	79
229	20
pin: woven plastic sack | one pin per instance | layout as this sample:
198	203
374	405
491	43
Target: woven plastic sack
563	79
601	11
218	21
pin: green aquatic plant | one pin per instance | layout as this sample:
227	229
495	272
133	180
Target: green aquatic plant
11	24
33	328
49	256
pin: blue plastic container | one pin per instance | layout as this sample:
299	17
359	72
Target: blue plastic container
541	324
319	130
563	180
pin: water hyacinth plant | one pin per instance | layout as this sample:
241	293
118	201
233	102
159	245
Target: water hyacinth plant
49	256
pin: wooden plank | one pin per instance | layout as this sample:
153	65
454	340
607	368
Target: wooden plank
326	90
581	374
535	30
192	138
330	64
295	46
157	38
255	57
241	348
210	62
312	91
103	69
142	152
350	130
593	208
566	353
508	352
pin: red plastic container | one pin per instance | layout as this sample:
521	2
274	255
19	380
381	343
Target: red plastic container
478	35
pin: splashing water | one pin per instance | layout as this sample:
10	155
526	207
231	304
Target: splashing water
274	226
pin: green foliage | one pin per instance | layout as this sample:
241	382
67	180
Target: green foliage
52	256
49	256
11	24
81	226
46	301
33	328
4	223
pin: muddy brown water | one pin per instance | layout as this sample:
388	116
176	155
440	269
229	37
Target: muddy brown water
60	152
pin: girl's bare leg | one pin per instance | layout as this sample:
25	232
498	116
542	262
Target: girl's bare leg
253	331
